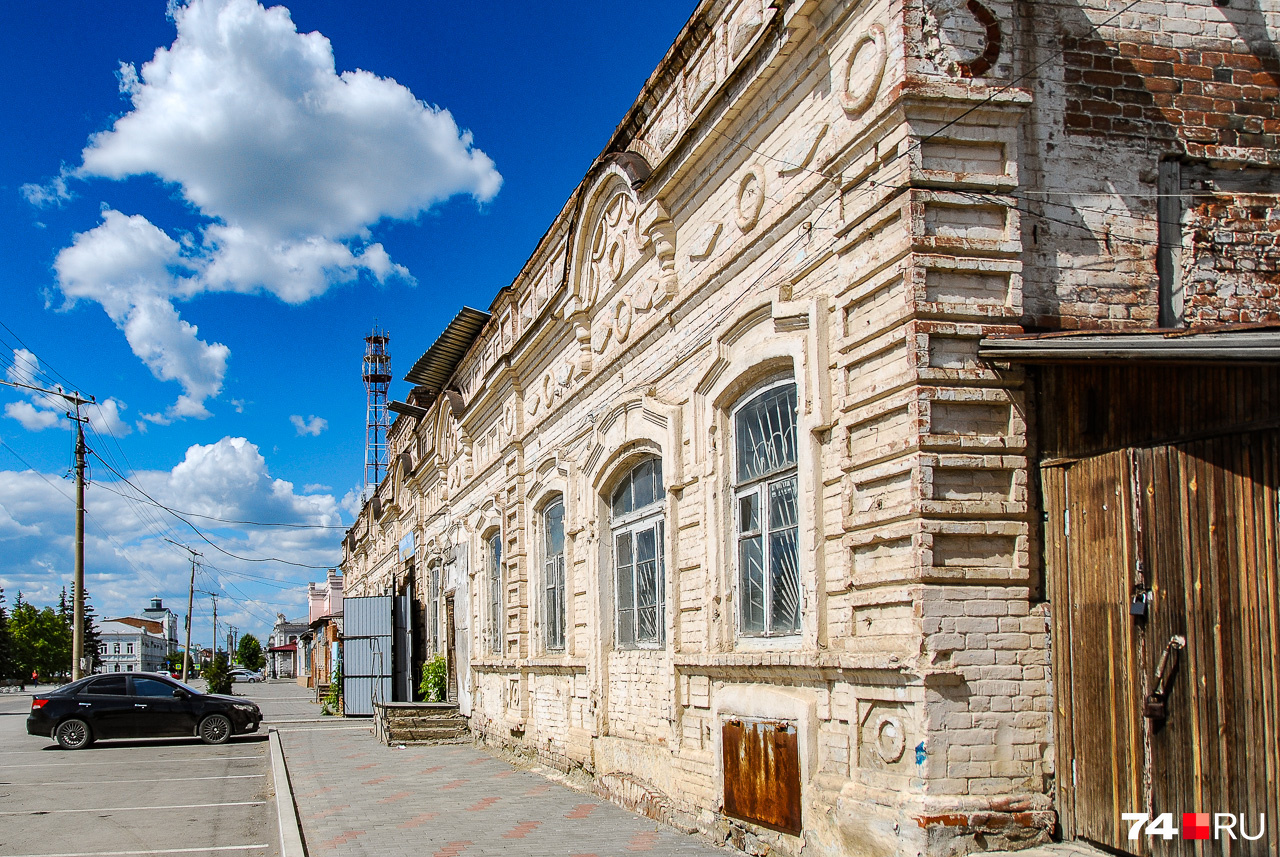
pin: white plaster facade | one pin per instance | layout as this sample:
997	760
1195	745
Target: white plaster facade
128	648
818	194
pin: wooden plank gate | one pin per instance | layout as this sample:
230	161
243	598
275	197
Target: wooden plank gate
1165	593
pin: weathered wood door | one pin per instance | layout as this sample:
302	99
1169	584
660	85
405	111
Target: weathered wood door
1195	526
1096	644
450	652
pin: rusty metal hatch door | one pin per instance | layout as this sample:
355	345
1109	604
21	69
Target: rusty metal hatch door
762	774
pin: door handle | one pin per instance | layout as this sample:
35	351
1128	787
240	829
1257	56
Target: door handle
139	705
86	705
1154	708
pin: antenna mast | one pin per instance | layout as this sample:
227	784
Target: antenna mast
377	379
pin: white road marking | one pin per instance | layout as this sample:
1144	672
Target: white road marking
134	808
162	851
151	780
118	762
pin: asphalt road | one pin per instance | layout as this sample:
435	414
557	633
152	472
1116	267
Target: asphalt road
145	797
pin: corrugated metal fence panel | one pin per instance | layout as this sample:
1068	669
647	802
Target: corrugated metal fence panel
359	694
369	616
762	774
366	656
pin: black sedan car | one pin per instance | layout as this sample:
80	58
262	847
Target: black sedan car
137	705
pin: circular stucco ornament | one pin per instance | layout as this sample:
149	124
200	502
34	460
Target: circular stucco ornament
891	739
750	198
622	320
863	71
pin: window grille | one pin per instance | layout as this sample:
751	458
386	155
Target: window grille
494	555
553	575
433	609
639	573
766	506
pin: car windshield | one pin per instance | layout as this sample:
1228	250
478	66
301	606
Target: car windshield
188	688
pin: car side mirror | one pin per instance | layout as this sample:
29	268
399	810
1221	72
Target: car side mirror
179	693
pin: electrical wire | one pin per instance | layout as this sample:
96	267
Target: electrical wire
148	501
201	534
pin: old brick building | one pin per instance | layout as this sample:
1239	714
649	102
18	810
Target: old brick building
719	502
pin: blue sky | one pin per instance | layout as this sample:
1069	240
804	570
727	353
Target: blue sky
203	210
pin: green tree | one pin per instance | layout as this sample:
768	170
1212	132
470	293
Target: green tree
249	653
6	647
92	639
218	675
41	640
66	612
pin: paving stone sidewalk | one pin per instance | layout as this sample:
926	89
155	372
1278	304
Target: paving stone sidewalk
357	797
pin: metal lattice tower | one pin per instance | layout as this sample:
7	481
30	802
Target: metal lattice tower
377	378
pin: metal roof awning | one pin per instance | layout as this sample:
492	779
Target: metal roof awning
436	366
407	410
291	647
1251	344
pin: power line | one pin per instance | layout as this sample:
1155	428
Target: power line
200	532
159	505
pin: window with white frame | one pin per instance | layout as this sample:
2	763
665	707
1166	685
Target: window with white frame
765	510
636	524
128	648
553	576
493	574
433	608
116	648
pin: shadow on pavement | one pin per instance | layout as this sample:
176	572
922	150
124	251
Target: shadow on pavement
161	742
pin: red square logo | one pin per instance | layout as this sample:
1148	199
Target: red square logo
1197	825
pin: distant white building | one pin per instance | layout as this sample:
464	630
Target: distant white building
166	617
282	647
131	645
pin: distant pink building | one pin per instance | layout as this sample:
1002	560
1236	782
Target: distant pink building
318	645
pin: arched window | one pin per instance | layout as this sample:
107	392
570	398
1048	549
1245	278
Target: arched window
553	575
433	608
637	526
493	575
766	502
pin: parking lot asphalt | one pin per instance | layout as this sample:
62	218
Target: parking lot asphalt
142	797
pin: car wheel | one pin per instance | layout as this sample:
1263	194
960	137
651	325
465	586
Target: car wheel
73	734
215	729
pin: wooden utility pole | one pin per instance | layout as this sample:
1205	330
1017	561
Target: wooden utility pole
191	594
77	612
77	590
215	624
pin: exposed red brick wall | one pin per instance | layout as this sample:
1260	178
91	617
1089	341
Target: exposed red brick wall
1232	272
1203	98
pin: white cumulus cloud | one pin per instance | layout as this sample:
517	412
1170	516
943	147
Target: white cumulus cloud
311	425
43	410
31	417
290	162
130	561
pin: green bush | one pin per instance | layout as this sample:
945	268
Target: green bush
218	675
332	703
434	684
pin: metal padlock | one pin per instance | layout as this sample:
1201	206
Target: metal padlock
1138	606
1154	708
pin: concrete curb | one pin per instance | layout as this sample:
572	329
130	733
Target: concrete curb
286	810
